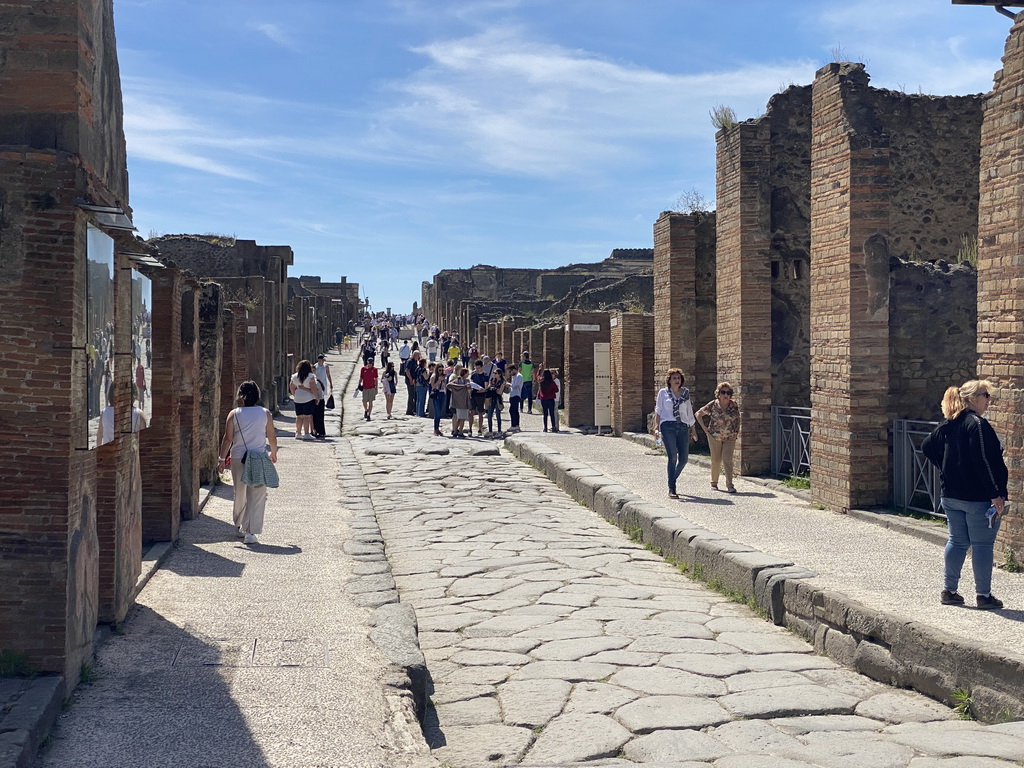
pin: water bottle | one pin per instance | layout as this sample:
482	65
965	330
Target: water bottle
991	514
657	442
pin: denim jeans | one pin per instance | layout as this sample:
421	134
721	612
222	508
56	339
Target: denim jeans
421	399
527	396
491	413
968	527
676	437
438	396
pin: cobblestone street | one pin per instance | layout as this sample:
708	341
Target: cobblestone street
552	639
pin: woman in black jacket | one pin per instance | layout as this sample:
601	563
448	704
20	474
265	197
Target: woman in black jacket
970	457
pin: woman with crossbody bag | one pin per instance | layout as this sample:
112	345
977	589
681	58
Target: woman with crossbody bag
249	436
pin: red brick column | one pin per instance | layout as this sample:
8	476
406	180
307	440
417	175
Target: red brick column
632	340
582	331
189	396
534	344
744	298
849	296
1000	272
675	331
160	445
493	333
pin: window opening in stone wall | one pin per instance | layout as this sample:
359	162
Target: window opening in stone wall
798	269
775	270
142	351
99	328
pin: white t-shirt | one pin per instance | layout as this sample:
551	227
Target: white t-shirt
301	395
250	430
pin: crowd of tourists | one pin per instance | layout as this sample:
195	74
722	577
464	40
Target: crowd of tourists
452	383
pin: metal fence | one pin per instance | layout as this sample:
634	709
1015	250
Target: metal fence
791	441
915	480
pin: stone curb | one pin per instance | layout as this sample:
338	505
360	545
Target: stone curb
28	720
926	530
883	646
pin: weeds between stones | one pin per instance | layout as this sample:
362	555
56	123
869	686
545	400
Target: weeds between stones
964	705
14	664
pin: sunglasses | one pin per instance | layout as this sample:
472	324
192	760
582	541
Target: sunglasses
725	392
986	395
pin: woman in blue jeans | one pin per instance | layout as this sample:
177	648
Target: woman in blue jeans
675	424
970	458
422	388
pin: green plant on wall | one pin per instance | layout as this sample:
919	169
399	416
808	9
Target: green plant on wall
14	664
723	118
968	253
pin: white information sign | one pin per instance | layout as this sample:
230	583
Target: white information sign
602	385
253	329
613	322
585	327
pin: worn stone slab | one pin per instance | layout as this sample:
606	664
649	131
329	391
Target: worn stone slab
706	664
384	450
504	626
654	713
790	700
654	626
573	671
955	738
577	738
533	703
759	761
448	694
900	707
760	642
675	645
477	711
484	745
598	698
752	681
509	644
668	746
565	629
851	750
661	681
957	762
475	675
624	658
754	736
815	723
573	650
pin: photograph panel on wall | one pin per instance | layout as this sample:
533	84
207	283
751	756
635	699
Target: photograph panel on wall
142	351
99	343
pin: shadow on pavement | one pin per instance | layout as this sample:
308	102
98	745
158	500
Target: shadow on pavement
273	549
163	698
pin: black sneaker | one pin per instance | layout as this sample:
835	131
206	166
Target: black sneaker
990	603
951	598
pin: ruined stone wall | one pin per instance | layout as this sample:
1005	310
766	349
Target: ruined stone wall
554	285
933	321
211	364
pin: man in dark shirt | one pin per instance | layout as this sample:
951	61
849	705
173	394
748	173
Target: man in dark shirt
411	365
481	379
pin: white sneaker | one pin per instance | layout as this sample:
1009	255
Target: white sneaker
250	538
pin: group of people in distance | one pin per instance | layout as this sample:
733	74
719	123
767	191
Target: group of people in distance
443	382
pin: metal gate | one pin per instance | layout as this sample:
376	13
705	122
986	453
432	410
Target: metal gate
915	480
791	441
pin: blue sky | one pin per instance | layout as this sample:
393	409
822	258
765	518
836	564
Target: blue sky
386	140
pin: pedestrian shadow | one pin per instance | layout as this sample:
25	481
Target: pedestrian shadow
272	549
1010	614
429	722
158	683
713	500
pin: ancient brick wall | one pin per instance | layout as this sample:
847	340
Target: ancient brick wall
743	285
675	259
536	345
582	331
849	294
188	401
705	369
933	317
1000	272
632	370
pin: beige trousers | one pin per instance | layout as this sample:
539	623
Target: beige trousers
721	453
250	501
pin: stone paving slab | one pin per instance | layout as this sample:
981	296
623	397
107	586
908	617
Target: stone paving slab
611	656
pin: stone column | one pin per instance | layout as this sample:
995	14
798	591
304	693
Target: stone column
744	298
632	338
1001	271
582	331
849	294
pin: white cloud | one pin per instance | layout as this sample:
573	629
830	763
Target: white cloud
275	33
538	109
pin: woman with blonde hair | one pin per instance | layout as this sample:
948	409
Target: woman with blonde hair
970	458
674	423
720	419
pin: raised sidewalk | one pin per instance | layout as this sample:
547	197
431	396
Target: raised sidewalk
864	594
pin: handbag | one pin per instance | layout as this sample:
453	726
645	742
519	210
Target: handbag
330	403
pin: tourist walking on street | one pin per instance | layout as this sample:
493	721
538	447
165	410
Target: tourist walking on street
969	456
548	396
526	369
495	403
674	424
306	396
459	390
478	383
720	419
515	396
368	385
249	436
389	386
422	388
322	371
409	371
438	396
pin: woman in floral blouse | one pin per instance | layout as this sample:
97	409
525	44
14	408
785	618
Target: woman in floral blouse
721	420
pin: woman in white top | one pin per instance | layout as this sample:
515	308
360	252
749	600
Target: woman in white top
249	428
306	396
675	424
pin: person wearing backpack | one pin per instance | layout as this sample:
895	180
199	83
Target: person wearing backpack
969	456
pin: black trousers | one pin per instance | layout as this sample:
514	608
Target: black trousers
410	408
319	428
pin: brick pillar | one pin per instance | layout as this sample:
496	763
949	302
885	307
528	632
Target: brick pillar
506	343
160	445
1001	269
632	340
849	295
553	347
493	336
519	337
582	331
744	298
189	401
535	346
675	259
211	364
481	336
